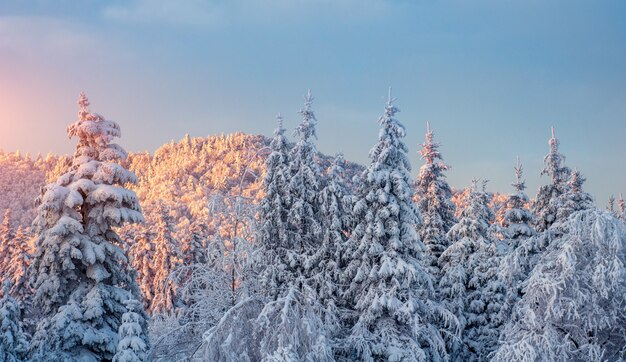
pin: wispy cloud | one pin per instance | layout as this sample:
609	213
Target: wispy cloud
203	13
174	12
36	33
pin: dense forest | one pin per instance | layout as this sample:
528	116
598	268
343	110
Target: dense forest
247	248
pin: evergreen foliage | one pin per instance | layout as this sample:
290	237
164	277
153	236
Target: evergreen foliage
79	270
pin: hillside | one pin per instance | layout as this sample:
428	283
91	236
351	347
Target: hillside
183	175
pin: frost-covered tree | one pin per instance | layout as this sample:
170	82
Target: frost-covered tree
272	233
285	329
283	322
545	206
469	236
7	235
18	264
324	265
194	250
132	346
487	308
79	270
574	199
573	307
396	316
167	257
433	196
517	218
13	342
304	226
621	215
141	254
611	205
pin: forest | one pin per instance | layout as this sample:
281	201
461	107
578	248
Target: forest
250	248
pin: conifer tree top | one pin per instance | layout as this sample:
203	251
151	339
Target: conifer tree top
430	149
520	184
94	134
390	149
306	128
554	163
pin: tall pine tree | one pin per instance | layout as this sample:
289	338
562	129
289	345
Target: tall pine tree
517	218
391	291
13	343
275	250
467	238
433	196
79	270
304	217
7	235
544	206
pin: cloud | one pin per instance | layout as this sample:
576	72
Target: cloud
36	32
211	13
175	12
45	37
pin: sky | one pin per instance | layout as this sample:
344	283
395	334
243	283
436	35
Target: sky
491	77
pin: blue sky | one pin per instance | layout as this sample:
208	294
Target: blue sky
492	77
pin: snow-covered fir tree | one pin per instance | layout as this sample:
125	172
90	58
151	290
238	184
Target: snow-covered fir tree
324	265
79	270
141	254
18	264
517	219
7	236
433	196
573	307
194	250
391	291
272	233
13	342
573	199
167	257
486	302
283	323
610	207
467	237
304	219
132	346
621	215
545	206
257	329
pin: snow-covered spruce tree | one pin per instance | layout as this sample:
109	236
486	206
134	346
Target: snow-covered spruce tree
573	200
13	342
167	257
79	270
272	233
467	237
7	234
132	346
544	207
18	264
610	207
433	198
283	322
194	250
141	255
573	307
396	316
324	265
486	307
621	215
517	218
304	219
517	222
